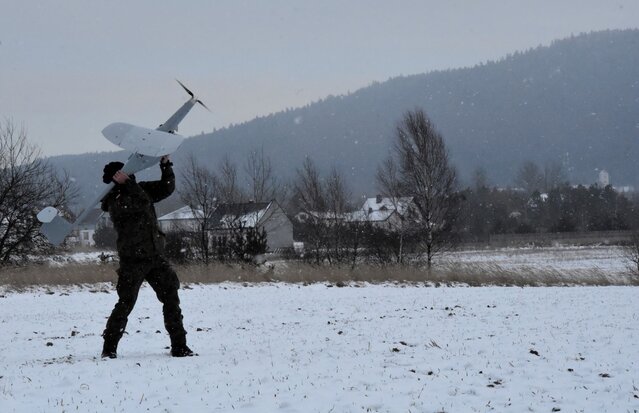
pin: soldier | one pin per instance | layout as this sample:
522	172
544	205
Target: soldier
140	245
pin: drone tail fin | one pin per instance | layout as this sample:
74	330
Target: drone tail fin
54	227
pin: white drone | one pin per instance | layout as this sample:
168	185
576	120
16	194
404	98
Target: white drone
148	147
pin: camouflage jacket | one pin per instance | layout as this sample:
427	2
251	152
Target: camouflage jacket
130	206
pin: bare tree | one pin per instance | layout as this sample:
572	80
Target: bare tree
228	185
326	228
337	205
480	179
309	188
311	201
205	191
424	173
476	208
262	182
201	193
389	180
530	178
554	175
631	254
27	183
390	184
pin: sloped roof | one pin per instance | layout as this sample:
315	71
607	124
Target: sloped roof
183	213
303	216
248	214
380	211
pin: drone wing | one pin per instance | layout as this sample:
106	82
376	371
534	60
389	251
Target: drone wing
142	140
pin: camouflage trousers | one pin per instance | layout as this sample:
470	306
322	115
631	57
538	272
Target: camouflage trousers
164	281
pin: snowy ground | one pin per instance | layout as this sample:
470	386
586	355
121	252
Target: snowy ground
609	258
605	259
564	264
290	348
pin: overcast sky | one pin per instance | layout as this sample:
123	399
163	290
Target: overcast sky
69	68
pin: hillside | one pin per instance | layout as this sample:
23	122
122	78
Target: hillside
575	102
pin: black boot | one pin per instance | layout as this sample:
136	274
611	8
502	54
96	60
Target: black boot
179	347
109	354
110	349
181	351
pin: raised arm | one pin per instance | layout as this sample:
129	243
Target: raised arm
159	190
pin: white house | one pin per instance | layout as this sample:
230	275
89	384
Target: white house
86	228
383	211
268	216
185	219
379	211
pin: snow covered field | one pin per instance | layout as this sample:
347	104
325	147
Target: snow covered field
572	264
605	259
290	348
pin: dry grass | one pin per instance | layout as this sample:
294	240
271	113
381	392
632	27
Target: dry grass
72	274
20	278
493	274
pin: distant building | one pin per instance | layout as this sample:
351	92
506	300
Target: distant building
86	229
268	216
604	178
183	219
379	211
386	212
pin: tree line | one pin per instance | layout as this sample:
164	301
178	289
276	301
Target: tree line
418	169
437	214
564	208
417	178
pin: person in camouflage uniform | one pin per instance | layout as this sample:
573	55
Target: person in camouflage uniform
140	245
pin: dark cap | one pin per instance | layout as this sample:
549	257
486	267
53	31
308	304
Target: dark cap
109	170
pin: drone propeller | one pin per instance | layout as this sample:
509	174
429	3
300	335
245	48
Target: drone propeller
193	96
203	105
185	88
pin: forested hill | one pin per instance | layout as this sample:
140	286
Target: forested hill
575	102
